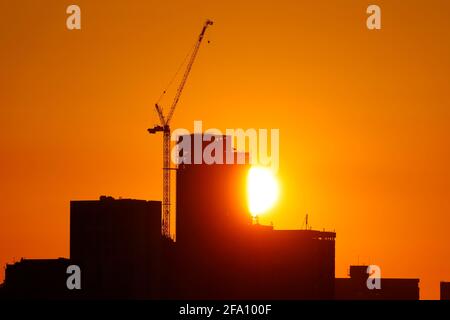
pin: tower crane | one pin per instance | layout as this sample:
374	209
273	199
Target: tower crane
164	127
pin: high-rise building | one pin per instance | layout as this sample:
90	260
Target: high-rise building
211	199
118	246
223	255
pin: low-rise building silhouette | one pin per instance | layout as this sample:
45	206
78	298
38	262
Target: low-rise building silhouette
355	287
36	279
445	290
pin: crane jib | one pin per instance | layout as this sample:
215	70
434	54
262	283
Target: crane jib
164	127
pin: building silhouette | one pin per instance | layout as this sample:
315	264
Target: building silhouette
36	279
355	287
220	251
118	246
445	290
225	256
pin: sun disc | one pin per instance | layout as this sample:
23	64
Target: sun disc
262	190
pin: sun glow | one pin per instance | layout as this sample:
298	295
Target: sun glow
262	190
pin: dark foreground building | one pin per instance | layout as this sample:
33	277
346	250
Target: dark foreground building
445	290
118	246
221	254
261	263
355	287
36	279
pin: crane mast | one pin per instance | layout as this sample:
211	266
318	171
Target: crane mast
164	127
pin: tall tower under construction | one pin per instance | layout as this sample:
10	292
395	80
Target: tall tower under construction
221	254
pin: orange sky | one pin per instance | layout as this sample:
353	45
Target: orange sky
363	116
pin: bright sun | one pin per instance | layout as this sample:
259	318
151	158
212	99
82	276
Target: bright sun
262	189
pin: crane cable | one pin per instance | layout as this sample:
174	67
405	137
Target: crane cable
176	73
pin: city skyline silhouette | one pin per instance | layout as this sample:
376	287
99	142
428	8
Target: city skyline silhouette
121	250
363	117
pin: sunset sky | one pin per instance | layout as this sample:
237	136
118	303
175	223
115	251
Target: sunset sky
363	116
